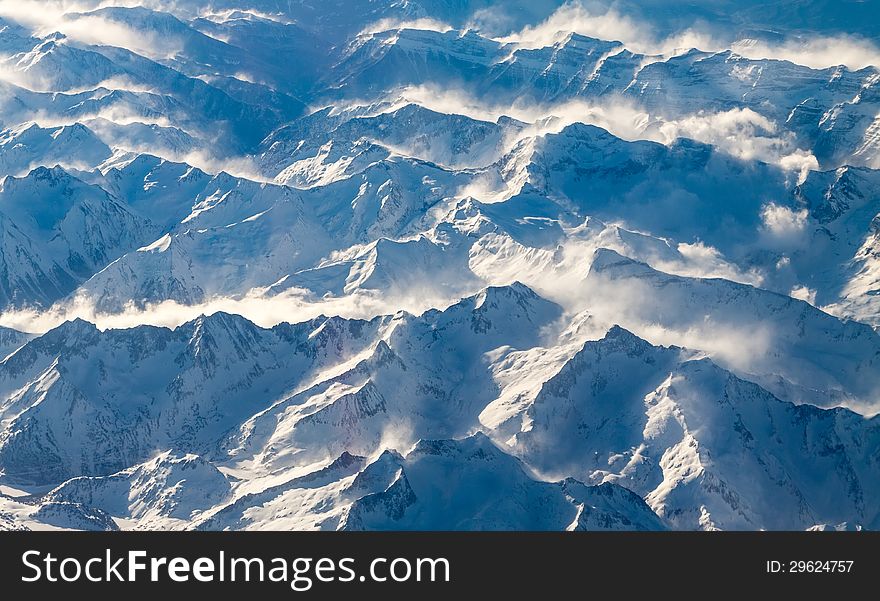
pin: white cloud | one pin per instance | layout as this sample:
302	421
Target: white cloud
44	18
721	128
573	17
397	24
632	303
783	225
641	37
704	261
742	347
637	35
818	52
618	115
237	166
119	114
292	306
803	293
122	83
742	133
16	77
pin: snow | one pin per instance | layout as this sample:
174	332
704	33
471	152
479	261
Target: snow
503	280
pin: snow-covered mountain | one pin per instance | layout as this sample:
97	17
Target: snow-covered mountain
419	496
57	231
370	264
30	146
780	339
624	411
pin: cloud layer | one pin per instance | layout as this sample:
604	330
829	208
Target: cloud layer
44	18
742	133
639	36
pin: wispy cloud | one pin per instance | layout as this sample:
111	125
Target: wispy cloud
619	115
782	226
640	36
291	306
396	24
46	17
817	52
742	133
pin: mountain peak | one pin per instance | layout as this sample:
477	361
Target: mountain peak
435	194
49	174
75	331
221	321
46	181
618	333
606	259
588	45
476	446
516	291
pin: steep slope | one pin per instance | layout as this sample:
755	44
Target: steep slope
58	231
54	64
69	407
706	449
393	267
673	191
454	141
28	146
159	491
787	345
193	265
429	376
469	484
445	206
11	340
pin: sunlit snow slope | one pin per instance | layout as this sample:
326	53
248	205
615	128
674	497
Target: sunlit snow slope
455	265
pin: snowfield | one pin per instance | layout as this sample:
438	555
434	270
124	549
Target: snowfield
379	265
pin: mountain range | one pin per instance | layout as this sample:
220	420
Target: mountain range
382	265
